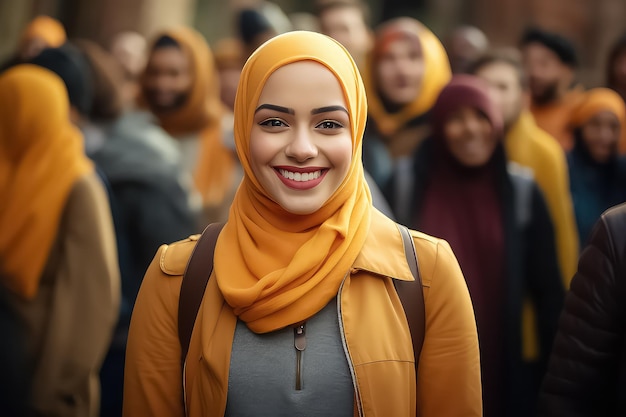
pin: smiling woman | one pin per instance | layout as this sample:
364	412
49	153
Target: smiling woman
301	315
301	149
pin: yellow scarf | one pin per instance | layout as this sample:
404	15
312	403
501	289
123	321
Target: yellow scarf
437	73
273	267
202	114
50	30
41	157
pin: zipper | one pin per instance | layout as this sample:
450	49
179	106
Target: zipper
299	342
357	394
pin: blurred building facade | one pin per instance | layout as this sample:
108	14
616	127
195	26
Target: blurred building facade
592	24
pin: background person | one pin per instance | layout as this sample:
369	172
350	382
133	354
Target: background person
597	170
586	376
550	61
181	88
496	220
58	265
405	72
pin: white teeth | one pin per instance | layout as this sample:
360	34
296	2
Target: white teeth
300	176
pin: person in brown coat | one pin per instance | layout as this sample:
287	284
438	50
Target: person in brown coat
58	266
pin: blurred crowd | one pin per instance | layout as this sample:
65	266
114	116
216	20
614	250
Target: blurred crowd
106	153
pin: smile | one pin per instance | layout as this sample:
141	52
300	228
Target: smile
300	176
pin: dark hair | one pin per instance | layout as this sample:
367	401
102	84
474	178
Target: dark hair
508	56
322	6
72	67
560	45
107	76
165	41
252	22
619	47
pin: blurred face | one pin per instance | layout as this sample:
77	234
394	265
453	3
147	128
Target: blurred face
548	77
168	79
505	89
601	135
469	137
300	143
400	72
346	26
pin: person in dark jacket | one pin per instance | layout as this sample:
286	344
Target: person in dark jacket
597	171
587	371
497	222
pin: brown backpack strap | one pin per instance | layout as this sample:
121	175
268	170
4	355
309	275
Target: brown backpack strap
412	296
195	279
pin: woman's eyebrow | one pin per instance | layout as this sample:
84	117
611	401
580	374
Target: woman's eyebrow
276	108
329	109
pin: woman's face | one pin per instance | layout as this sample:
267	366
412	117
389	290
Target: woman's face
601	135
469	137
300	143
400	71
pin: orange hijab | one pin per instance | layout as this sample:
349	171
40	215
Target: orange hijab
437	73
596	100
202	113
41	157
50	30
601	99
273	267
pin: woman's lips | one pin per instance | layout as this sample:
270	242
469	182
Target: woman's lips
299	178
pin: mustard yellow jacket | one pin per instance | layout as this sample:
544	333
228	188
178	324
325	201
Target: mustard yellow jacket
373	327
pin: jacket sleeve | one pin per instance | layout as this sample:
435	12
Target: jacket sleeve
559	201
583	368
153	374
84	308
542	275
448	382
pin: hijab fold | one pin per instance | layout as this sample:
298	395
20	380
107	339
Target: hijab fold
277	268
41	158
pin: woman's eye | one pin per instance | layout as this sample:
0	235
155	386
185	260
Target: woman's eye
329	124
273	123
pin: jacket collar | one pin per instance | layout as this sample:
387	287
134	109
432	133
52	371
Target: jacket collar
383	251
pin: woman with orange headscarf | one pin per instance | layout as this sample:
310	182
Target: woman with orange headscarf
597	171
300	314
405	72
181	88
58	264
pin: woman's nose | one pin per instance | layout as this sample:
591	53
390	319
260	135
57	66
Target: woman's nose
301	147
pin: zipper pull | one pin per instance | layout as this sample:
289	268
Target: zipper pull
299	342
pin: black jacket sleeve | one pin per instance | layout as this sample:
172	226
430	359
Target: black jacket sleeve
583	374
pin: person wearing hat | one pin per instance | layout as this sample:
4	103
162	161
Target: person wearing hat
495	218
550	62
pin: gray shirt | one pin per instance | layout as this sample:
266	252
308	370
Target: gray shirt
262	379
